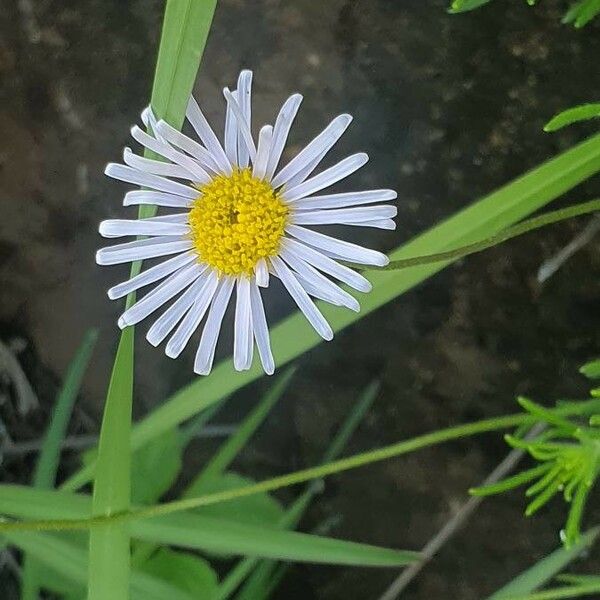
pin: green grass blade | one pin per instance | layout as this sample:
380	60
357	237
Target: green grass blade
292	337
109	546
185	29
210	534
583	112
544	570
45	471
234	444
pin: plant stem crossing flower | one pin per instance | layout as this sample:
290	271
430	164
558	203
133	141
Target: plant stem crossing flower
238	220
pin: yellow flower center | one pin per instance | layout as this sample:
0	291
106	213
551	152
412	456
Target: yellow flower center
236	220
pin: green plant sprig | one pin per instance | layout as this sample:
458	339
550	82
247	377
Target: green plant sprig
569	457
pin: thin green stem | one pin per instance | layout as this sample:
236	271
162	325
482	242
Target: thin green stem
509	233
269	485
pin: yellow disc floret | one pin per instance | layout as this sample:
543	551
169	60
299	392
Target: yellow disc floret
236	220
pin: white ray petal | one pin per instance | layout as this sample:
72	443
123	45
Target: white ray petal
166	322
155	182
310	274
114	228
243	98
149	120
159	145
142	249
388	224
155	167
207	135
137	197
231	137
151	275
344	200
246	147
283	124
342	249
261	272
241	329
173	218
301	176
328	177
259	168
261	331
160	295
208	342
357	215
316	291
302	299
250	341
193	148
192	319
327	265
319	146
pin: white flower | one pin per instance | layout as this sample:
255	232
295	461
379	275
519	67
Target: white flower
241	220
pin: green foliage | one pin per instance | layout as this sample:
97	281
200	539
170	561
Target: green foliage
575	114
568	454
155	467
591	369
184	571
47	465
579	14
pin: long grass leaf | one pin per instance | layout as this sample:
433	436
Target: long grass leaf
209	534
185	29
47	465
544	570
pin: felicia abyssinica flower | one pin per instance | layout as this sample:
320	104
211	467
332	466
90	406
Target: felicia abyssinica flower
238	219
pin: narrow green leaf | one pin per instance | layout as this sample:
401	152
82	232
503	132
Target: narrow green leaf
292	337
196	531
461	6
185	29
544	570
223	536
45	471
109	546
231	447
583	112
591	369
575	591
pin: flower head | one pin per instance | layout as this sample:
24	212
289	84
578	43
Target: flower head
240	219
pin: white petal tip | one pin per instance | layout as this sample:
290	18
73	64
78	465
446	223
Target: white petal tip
327	335
99	258
269	370
382	261
112	294
122	323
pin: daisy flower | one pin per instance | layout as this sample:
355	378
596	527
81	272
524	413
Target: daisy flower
239	220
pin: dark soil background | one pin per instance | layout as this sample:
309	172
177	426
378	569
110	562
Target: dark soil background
448	107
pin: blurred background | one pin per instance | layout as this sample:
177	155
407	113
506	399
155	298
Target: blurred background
448	108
